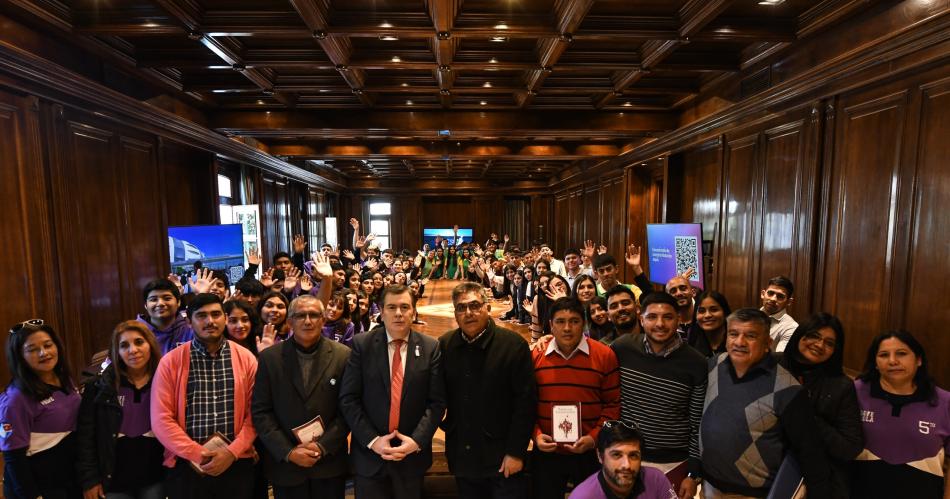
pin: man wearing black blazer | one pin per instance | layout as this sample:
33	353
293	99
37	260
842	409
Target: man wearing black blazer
392	428
298	380
492	400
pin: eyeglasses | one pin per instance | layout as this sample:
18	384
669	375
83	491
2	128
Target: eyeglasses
30	323
473	307
816	337
630	426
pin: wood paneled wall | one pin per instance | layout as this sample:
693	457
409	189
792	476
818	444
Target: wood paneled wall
86	204
843	195
288	208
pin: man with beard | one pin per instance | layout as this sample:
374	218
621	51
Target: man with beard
621	475
662	387
622	312
679	288
776	298
202	389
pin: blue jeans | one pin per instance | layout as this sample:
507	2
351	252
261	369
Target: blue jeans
154	491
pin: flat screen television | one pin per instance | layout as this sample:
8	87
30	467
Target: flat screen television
673	248
218	247
428	236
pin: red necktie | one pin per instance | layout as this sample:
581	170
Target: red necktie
395	394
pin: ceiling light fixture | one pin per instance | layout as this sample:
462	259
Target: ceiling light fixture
501	25
771	2
385	24
388	38
487	84
408	102
483	103
627	104
396	59
260	102
404	85
498	39
493	61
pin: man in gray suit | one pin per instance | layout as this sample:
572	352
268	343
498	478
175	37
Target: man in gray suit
393	398
297	381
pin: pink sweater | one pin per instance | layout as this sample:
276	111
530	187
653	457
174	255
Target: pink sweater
168	404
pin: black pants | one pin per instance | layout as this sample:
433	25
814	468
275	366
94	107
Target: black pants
389	484
315	488
237	482
550	472
493	487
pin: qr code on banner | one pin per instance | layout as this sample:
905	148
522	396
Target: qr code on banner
686	254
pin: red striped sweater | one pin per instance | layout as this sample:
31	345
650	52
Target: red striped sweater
593	380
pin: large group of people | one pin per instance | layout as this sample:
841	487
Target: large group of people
312	374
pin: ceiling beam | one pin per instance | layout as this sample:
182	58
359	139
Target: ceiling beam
480	124
443	45
569	15
339	49
694	16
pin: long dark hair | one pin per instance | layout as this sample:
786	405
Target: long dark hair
250	341
24	378
581	278
718	298
832	366
925	383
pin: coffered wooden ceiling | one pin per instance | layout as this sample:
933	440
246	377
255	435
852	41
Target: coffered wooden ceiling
492	89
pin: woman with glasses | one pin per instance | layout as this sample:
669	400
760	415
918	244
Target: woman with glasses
119	457
906	421
814	355
38	411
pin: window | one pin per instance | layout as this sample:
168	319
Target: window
225	199
379	214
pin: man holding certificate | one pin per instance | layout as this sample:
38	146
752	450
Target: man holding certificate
295	411
578	390
393	397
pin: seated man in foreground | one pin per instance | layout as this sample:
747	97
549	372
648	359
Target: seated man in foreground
618	450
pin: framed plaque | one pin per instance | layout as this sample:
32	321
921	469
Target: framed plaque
566	423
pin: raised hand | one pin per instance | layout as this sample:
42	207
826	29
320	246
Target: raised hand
348	255
203	282
267	278
236	296
370	237
177	281
424	281
633	256
254	256
306	283
507	238
688	273
355	224
268	337
321	266
360	241
455	228
588	251
602	249
300	245
528	305
291	278
554	294
372	263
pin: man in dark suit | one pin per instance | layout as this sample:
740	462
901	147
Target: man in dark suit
298	380
393	397
492	400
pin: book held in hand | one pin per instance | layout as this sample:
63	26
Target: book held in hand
566	423
309	431
215	442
